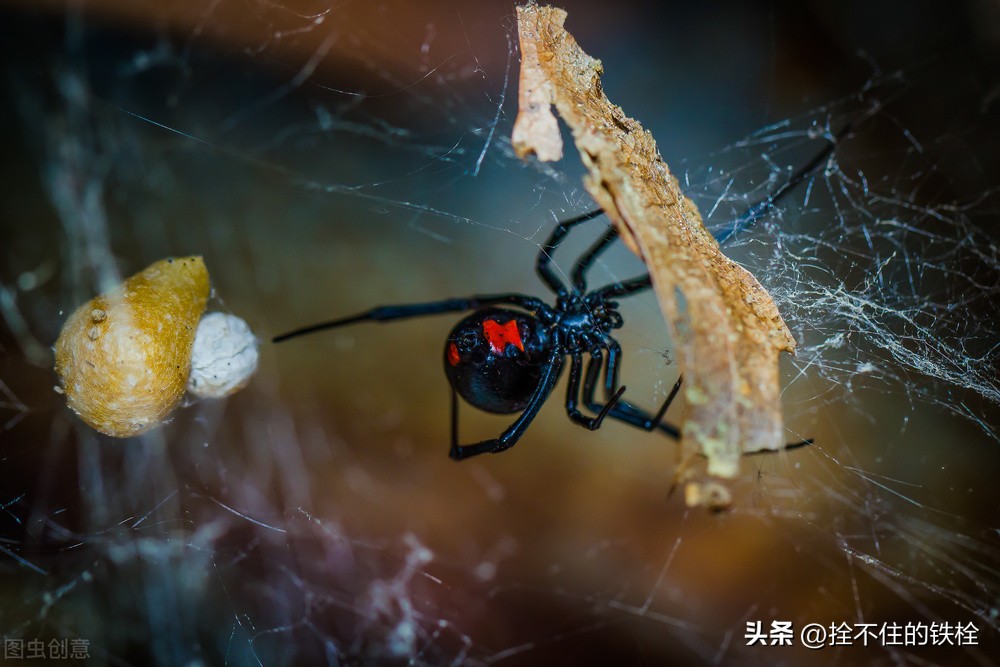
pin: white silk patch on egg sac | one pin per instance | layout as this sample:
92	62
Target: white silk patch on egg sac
224	357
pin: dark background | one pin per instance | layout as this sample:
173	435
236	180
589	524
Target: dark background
315	516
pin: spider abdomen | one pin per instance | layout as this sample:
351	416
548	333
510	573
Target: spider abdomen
494	359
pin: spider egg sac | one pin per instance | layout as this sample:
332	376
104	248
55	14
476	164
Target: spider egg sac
123	358
224	357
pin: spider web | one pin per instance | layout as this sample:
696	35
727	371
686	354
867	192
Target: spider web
326	157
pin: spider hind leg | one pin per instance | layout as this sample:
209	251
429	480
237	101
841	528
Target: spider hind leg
513	433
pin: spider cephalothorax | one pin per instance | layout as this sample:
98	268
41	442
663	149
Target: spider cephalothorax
586	320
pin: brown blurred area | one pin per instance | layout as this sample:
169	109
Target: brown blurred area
327	157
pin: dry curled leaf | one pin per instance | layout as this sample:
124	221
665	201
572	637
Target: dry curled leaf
726	327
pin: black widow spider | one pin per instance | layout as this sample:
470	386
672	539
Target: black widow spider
504	361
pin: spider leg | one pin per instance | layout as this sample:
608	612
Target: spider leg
622	288
622	410
755	212
573	391
625	287
748	219
587	259
788	446
509	438
454	421
388	313
628	413
544	259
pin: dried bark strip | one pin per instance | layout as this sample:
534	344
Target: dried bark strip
726	327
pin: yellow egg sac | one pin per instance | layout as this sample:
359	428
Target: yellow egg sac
123	358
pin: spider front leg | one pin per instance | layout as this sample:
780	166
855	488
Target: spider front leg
509	438
404	311
579	275
544	258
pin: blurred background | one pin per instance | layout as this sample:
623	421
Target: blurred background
327	157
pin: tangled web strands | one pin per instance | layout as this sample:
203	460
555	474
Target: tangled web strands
317	518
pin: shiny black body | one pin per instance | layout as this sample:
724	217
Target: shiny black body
496	380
